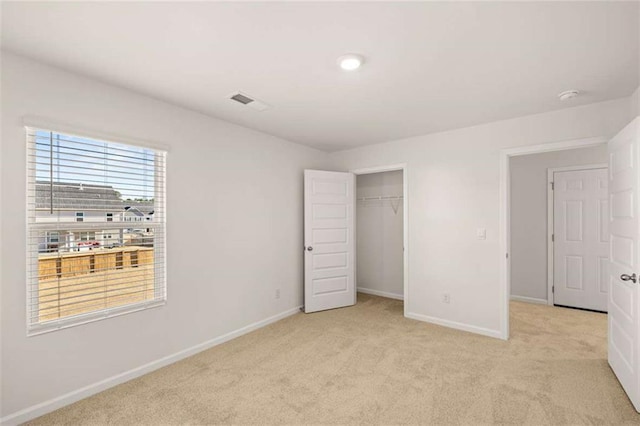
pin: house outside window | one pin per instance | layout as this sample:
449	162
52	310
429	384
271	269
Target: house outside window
80	217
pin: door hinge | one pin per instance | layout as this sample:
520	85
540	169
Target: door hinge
553	238
507	255
553	289
553	186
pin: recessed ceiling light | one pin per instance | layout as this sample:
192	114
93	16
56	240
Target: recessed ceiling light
568	94
350	62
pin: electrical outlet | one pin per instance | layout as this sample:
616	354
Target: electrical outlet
278	293
446	298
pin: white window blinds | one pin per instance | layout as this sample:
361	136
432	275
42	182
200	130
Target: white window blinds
96	229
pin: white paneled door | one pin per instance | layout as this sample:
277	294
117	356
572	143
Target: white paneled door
624	318
581	239
329	240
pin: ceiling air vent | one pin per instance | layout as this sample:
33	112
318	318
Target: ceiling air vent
252	103
238	97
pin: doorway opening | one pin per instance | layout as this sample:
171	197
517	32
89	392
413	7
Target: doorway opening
381	216
554	229
559	216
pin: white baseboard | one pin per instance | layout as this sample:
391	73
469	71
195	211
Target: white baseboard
78	394
380	293
457	325
529	299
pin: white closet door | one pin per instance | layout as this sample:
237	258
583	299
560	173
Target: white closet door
581	239
329	235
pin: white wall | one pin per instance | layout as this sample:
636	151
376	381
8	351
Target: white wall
529	214
453	184
379	234
236	189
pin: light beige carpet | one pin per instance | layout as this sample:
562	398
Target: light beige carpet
368	364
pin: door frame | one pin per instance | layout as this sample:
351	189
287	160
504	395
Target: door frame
505	222
550	219
405	223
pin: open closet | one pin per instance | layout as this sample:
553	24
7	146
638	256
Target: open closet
379	234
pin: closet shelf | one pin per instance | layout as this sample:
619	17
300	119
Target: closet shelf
388	197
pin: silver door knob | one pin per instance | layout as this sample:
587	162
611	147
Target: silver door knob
632	277
310	248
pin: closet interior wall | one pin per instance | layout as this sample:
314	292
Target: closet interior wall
379	219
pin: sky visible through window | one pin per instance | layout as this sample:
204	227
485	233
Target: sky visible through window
128	169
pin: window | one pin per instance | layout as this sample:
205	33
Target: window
51	242
86	236
83	265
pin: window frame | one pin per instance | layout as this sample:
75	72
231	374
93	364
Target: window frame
32	256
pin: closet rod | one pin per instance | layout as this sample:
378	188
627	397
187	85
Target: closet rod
390	197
